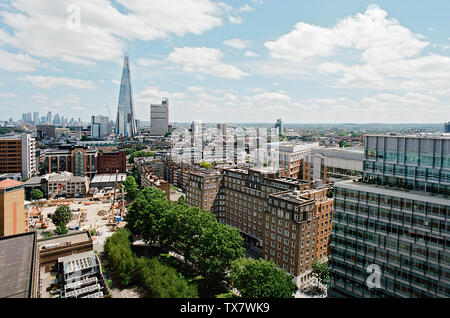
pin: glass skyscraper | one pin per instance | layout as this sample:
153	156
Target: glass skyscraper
396	219
125	123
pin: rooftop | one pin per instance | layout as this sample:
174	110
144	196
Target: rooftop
100	178
8	183
17	264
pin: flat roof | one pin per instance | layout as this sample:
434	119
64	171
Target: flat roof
72	238
388	191
99	178
17	264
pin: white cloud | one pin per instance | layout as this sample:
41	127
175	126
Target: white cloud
368	50
40	98
250	54
17	62
67	99
47	82
378	38
246	8
40	27
196	88
237	43
235	20
7	95
204	60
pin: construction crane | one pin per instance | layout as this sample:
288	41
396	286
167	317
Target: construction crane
114	199
41	218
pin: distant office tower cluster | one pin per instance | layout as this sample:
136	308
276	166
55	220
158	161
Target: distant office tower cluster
391	230
125	122
159	118
100	127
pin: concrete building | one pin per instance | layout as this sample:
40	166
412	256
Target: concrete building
82	277
292	157
53	248
18	155
332	164
395	220
102	181
73	186
100	127
19	261
159	118
46	131
13	216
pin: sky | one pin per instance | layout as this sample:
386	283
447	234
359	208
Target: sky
236	61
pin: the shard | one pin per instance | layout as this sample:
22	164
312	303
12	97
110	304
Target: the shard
125	123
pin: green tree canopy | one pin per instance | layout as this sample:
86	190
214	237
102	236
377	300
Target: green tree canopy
62	215
261	279
37	194
131	188
320	271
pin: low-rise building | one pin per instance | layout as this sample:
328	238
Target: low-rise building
13	216
112	162
19	263
73	186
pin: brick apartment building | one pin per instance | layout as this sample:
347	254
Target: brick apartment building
112	162
281	219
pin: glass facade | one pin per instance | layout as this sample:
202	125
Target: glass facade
381	222
125	123
412	163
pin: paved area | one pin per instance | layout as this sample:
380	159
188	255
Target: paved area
133	292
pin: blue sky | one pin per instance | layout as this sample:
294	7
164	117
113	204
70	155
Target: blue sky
229	61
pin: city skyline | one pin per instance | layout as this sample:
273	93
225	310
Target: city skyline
316	63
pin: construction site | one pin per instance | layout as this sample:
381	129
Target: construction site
100	214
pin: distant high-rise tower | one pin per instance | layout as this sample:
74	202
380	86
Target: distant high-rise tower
159	118
447	127
125	123
279	125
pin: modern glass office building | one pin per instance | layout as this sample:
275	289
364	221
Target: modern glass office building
395	219
125	123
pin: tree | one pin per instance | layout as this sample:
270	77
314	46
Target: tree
43	168
120	257
85	138
37	194
62	216
131	188
206	165
181	200
218	246
261	279
61	229
320	271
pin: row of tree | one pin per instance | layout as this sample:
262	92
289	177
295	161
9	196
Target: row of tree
157	279
205	244
212	249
